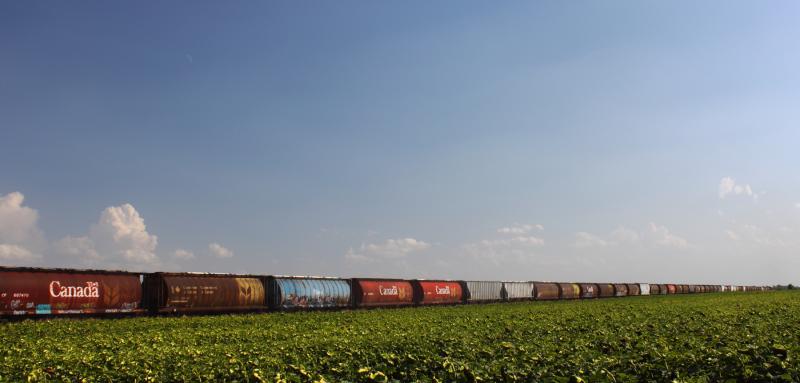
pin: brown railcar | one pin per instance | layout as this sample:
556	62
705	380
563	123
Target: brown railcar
546	291
606	290
620	290
589	290
199	292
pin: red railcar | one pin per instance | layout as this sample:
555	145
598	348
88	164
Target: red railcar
671	289
32	291
437	292
382	292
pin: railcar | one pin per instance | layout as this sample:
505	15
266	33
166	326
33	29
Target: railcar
28	291
203	292
374	292
483	291
302	293
436	292
589	290
544	291
518	291
569	290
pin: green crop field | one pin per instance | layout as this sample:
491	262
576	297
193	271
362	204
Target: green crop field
713	337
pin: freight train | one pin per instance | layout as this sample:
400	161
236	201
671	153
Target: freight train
37	292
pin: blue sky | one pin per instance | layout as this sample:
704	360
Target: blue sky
548	140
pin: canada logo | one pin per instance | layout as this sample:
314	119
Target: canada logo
442	290
91	290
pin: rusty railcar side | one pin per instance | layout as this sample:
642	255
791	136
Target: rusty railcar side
655	289
433	292
589	290
633	289
606	290
307	293
203	292
546	291
371	292
569	290
620	290
33	291
671	289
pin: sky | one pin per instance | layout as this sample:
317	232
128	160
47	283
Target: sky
630	141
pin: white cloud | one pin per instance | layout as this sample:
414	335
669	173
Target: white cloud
660	235
732	235
121	232
654	235
518	229
14	253
624	235
728	186
797	205
763	237
586	240
520	249
118	239
183	254
390	249
219	251
20	236
528	240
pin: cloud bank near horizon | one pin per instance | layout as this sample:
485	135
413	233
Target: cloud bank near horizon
120	239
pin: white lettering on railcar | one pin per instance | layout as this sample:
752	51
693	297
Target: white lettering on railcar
91	290
388	290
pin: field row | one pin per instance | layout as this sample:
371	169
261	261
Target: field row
710	337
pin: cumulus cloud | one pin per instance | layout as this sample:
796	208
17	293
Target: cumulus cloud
14	253
121	231
584	240
661	236
20	237
517	249
728	186
518	229
183	254
624	235
119	238
757	235
219	251
654	235
390	249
